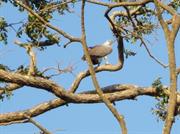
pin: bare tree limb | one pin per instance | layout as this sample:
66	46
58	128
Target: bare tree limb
38	125
118	116
114	93
37	82
113	5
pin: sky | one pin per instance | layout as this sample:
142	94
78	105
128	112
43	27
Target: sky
139	70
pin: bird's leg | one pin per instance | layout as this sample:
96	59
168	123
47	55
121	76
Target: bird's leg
106	60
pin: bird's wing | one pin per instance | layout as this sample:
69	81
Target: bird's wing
99	51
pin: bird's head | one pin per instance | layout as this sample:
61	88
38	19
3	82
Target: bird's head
108	43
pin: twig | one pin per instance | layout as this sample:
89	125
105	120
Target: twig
55	5
68	69
150	54
32	65
38	125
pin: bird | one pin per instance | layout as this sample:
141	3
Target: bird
99	52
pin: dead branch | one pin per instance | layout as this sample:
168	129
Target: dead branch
59	70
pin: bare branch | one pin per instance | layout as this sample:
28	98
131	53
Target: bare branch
114	93
151	55
68	69
160	18
167	8
175	25
55	5
37	82
113	5
38	125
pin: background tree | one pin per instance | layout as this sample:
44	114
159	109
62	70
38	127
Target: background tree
37	31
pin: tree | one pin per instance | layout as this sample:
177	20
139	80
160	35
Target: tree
134	22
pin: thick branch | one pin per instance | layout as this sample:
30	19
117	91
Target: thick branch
36	82
110	106
160	18
170	38
114	93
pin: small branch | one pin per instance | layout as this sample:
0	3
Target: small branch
68	43
10	88
55	5
68	69
160	18
175	25
167	8
30	52
151	55
32	65
38	125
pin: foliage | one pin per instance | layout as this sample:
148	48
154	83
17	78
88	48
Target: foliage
24	70
136	26
175	4
160	109
129	53
4	67
3	30
7	94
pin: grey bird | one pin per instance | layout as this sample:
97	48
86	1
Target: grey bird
99	52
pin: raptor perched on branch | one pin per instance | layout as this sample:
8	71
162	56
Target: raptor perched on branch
99	52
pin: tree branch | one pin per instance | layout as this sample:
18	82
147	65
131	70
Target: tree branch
170	38
71	38
44	130
119	117
113	5
114	93
37	82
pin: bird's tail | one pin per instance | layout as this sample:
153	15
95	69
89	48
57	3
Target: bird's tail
83	58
